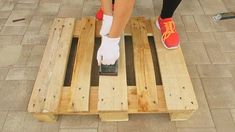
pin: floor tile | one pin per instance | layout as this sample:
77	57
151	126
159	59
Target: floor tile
215	54
13	30
229	3
72	12
3	73
28	1
204	23
7	5
157	5
196	130
195	53
22	73
29	6
2	21
224	42
24	56
213	6
86	10
190	7
47	9
3	115
195	36
223	120
36	55
147	123
34	38
213	71
19	14
233	114
183	36
230	57
208	37
15	94
78	130
5	14
190	24
51	127
18	121
107	126
192	69
232	70
147	12
79	122
75	3
12	52
219	92
10	40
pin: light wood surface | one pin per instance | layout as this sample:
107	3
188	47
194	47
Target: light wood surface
113	89
144	70
47	88
80	87
176	81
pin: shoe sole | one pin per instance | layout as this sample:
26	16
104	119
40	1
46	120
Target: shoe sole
157	25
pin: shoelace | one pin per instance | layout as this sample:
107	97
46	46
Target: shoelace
170	29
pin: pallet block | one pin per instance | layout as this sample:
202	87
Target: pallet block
70	56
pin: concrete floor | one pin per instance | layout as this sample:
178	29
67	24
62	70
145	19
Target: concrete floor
209	50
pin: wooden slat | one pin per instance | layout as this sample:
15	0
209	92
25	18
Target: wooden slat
81	77
177	85
128	30
144	70
132	101
58	73
47	88
77	28
113	89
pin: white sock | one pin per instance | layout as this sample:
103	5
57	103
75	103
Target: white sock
106	25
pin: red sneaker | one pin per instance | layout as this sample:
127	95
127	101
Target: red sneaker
170	38
99	13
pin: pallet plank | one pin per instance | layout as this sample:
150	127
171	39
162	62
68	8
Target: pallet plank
47	88
77	28
58	73
176	81
128	30
113	89
80	86
132	102
145	77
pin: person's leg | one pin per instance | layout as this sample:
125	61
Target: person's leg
108	52
106	6
100	12
107	17
121	15
169	7
170	37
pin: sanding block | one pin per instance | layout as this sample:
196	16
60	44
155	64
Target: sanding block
109	70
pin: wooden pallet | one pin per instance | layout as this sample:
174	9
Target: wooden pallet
68	83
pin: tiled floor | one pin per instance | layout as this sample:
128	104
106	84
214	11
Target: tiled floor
209	50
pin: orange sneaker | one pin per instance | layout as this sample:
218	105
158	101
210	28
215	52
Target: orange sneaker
170	37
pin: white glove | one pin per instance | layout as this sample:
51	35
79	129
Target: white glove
106	25
108	52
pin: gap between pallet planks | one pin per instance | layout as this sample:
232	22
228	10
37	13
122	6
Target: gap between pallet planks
176	96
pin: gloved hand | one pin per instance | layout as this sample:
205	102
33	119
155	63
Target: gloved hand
108	52
106	25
